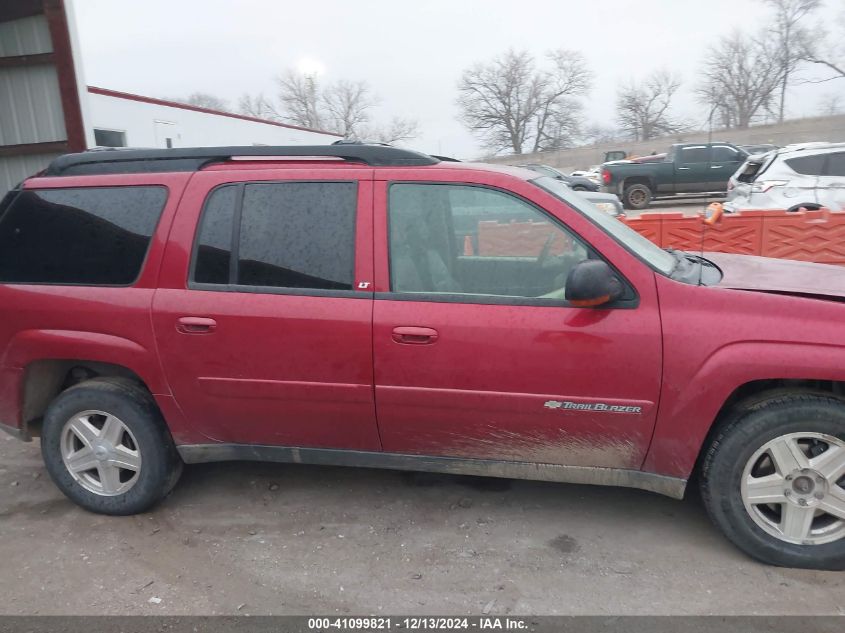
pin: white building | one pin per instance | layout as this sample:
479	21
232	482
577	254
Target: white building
120	119
46	109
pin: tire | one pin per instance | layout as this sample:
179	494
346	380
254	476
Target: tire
579	188
636	196
809	206
744	450
102	422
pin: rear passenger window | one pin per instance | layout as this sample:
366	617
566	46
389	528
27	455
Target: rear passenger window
214	245
836	164
82	236
807	165
287	235
698	154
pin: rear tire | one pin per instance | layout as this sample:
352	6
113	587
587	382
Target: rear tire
107	448
773	481
636	196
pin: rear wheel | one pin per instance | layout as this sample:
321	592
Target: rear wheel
636	196
773	481
107	448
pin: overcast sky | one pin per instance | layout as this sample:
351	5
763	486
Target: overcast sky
412	53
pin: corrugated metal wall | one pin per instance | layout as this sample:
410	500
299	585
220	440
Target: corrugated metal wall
33	126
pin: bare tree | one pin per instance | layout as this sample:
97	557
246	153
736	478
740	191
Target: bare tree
828	51
741	76
791	39
299	95
643	108
258	106
510	103
343	107
596	133
346	106
398	130
203	100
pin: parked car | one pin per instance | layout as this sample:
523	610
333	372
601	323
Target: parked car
688	168
593	174
795	177
762	148
606	202
578	183
324	305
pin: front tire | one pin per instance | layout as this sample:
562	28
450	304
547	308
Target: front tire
107	448
773	481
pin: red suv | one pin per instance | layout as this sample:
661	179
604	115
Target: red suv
370	306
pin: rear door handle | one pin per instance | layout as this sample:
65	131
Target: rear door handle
409	335
195	325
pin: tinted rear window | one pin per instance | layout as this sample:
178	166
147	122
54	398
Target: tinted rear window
298	235
284	235
213	256
836	164
84	236
807	165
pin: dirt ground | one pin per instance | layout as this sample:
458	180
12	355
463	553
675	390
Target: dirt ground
246	538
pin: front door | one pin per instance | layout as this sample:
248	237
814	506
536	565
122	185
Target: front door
263	334
477	354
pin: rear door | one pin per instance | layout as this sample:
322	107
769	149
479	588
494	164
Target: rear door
831	184
263	316
478	355
724	161
692	169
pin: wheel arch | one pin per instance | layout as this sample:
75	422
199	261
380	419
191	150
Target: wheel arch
648	181
48	361
736	376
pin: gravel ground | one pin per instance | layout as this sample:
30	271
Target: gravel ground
244	538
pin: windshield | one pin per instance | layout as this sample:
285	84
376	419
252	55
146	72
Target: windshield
642	247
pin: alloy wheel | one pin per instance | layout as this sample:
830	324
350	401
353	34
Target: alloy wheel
100	453
793	488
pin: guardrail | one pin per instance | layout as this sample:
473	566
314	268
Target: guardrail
812	236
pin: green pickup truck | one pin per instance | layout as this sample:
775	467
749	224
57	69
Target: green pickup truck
688	169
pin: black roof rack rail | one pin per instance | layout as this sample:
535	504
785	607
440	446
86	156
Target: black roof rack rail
131	160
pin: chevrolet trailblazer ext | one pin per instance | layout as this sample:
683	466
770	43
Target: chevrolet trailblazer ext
357	305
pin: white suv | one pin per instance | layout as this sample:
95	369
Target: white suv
810	175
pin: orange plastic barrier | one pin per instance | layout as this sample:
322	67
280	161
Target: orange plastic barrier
518	239
815	236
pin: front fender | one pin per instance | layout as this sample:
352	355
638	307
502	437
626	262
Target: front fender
689	405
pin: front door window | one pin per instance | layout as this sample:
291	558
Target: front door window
474	241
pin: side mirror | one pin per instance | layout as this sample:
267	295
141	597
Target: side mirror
592	283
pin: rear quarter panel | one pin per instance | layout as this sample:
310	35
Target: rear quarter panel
103	324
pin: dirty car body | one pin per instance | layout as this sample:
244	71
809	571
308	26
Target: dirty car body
382	309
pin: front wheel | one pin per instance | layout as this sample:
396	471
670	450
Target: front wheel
773	481
107	447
